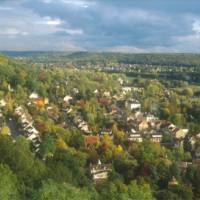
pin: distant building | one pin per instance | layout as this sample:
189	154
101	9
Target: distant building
106	132
96	91
143	125
157	138
150	117
34	95
137	89
173	182
126	90
99	172
67	98
180	133
132	104
135	138
120	80
106	94
2	103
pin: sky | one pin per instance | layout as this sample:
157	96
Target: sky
129	26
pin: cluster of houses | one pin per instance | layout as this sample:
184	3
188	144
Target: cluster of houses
140	126
145	126
26	123
75	117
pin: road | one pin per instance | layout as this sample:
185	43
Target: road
13	127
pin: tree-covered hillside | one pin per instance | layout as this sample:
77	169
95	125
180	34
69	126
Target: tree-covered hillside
79	133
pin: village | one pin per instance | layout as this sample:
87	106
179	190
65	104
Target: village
126	112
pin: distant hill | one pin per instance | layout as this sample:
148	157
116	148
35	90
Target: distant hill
116	58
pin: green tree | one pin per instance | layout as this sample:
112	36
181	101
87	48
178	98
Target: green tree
140	192
9	186
48	146
53	191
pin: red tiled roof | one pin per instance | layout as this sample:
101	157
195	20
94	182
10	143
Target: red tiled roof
89	140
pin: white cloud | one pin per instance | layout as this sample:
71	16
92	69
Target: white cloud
73	31
12	32
23	22
77	3
50	21
196	26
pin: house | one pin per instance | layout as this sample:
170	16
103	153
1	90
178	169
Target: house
171	126
130	118
138	116
135	138
91	140
32	130
67	98
19	110
106	94
46	100
173	182
143	125
198	136
96	91
133	131
137	89
99	171
180	133
120	80
132	104
27	125
84	127
150	117
31	137
106	132
126	90
157	138
34	95
118	97
75	90
2	103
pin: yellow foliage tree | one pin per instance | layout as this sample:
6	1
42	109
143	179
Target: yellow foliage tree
61	144
5	130
119	149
